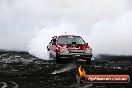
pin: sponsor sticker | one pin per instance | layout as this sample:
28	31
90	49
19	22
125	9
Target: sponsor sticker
83	78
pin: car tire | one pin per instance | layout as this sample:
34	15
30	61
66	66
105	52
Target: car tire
88	61
58	60
50	56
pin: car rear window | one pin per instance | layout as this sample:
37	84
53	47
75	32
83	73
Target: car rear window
70	40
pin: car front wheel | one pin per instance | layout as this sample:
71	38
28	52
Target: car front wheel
57	59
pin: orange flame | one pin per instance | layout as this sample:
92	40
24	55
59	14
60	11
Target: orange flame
81	71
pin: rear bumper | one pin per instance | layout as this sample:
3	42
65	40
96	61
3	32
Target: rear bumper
75	55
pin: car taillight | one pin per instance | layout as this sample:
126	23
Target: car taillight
62	49
88	50
58	47
85	46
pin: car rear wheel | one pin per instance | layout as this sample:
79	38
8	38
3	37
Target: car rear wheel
50	56
57	60
88	61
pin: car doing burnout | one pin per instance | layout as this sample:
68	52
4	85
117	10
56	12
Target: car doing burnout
69	47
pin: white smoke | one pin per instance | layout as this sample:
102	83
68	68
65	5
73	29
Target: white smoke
92	19
106	37
67	68
38	45
113	36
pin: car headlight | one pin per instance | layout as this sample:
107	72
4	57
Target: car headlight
88	50
64	50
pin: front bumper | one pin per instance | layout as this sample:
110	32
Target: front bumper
75	55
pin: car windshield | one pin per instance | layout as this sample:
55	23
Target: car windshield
70	40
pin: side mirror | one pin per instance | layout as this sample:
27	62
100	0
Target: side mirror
54	43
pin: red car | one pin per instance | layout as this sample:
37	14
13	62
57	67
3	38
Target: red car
69	47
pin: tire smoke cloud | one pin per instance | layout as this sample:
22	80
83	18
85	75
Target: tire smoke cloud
29	24
106	36
38	45
113	36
